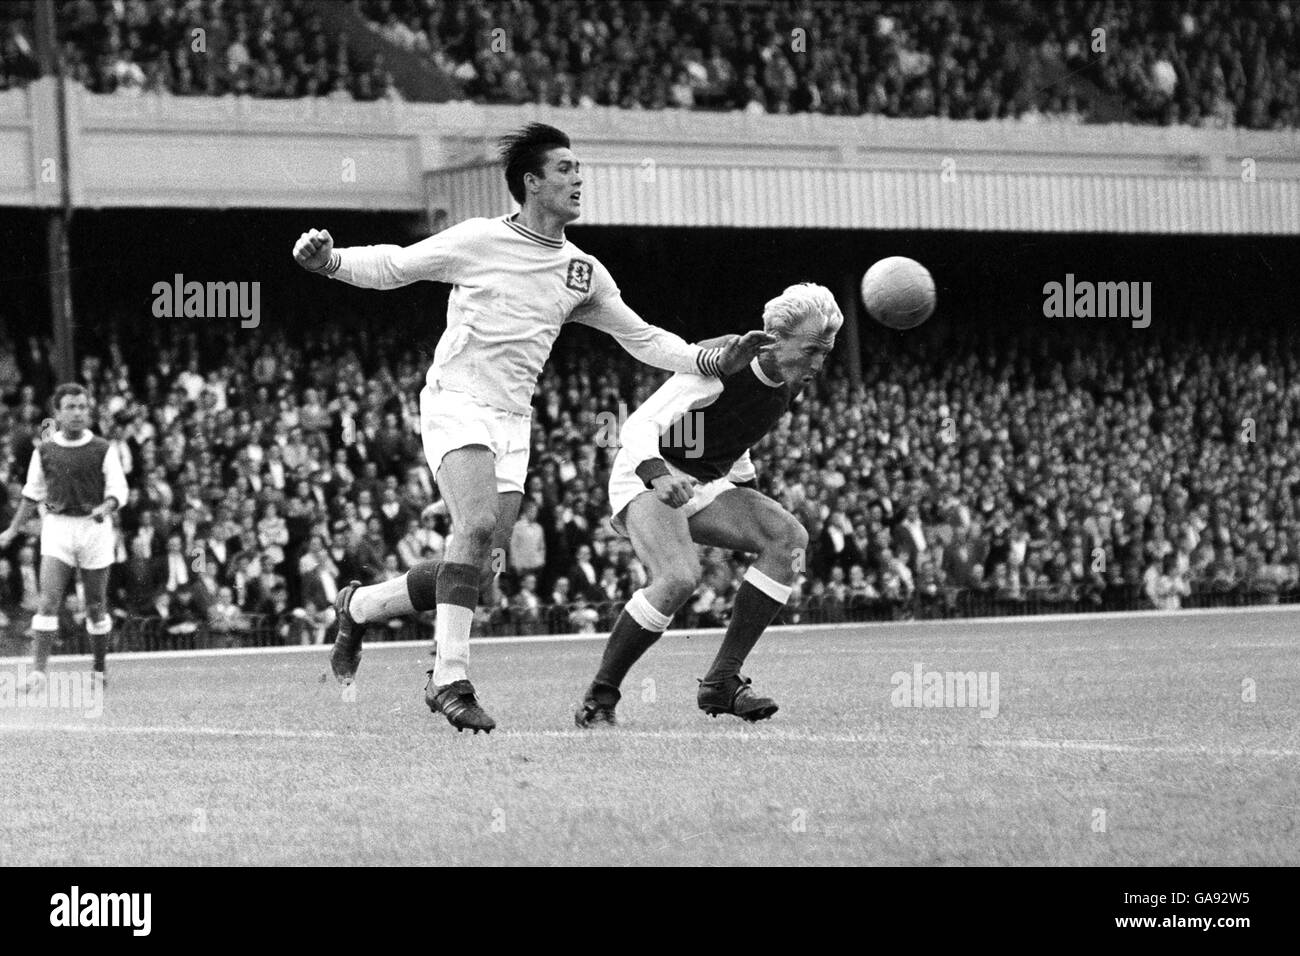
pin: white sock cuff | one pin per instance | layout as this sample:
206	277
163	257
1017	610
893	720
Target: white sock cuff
644	613
45	622
102	626
773	589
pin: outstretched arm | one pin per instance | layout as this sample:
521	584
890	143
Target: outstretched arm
662	349
438	258
647	343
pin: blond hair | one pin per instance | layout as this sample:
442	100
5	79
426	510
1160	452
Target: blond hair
804	303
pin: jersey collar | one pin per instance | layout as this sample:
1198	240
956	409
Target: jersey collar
512	222
59	439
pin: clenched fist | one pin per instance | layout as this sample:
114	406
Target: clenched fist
673	490
313	249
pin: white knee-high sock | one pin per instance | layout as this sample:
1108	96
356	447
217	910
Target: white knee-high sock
381	602
451	632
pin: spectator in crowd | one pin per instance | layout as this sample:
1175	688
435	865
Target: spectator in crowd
1164	586
225	620
587	579
526	606
143	579
176	566
527	543
180	615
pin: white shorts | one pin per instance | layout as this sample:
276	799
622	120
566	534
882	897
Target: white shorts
625	486
451	420
78	542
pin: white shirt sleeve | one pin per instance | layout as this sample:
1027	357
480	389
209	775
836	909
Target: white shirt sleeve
743	470
124	455
605	310
681	394
439	258
35	489
114	477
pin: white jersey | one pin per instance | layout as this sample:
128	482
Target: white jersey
514	290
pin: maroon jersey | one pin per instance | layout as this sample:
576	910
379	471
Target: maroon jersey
73	478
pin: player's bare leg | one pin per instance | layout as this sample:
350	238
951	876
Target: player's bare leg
411	593
508	504
742	519
56	578
99	625
467	480
662	539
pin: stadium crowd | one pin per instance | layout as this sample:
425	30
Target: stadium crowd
266	473
271	50
1194	62
1190	62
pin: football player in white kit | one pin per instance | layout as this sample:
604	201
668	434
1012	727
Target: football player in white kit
517	280
78	477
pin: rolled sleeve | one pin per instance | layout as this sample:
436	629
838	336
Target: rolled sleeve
35	489
114	477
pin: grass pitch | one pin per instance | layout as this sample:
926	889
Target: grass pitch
1158	739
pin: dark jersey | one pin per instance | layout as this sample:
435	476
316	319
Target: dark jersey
73	478
705	426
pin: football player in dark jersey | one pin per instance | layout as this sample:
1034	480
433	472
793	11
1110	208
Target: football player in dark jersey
78	476
684	477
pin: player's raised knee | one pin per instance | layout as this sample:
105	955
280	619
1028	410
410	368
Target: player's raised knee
681	580
476	527
797	534
783	534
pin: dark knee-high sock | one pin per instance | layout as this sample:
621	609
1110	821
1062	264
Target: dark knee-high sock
44	627
422	585
99	632
635	631
757	604
413	592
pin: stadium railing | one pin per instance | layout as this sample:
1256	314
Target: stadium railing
152	633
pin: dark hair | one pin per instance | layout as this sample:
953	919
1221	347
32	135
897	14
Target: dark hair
66	389
524	151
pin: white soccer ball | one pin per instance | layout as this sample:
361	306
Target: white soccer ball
899	292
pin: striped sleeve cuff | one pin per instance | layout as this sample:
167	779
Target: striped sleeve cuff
709	362
650	469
